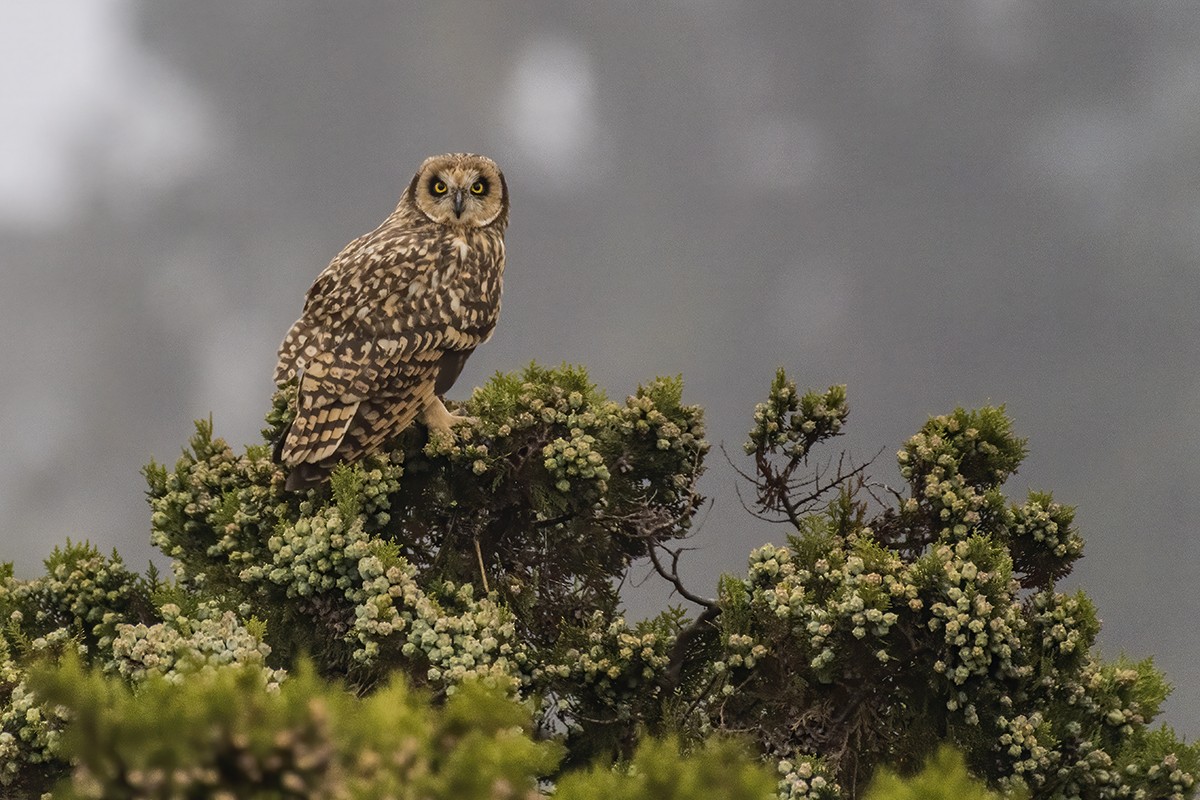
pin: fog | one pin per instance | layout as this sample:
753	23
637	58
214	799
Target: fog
995	201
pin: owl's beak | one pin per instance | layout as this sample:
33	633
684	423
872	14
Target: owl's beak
458	203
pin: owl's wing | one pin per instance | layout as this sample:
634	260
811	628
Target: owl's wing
355	396
361	383
320	306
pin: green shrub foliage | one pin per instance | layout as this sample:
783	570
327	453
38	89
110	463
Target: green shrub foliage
944	777
443	620
233	736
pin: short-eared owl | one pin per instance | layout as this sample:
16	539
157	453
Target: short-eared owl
388	325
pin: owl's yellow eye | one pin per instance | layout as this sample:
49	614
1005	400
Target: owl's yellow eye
439	187
478	187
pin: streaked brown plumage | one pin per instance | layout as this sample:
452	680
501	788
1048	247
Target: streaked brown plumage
390	322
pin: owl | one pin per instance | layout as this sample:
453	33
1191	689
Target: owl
388	325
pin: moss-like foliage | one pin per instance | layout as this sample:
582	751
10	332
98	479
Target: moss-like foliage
879	630
494	554
720	770
78	606
944	777
443	619
545	500
223	734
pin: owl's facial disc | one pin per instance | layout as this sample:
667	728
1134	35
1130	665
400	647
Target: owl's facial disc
460	190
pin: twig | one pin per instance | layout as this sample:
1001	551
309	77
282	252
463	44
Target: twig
673	576
749	478
684	640
482	573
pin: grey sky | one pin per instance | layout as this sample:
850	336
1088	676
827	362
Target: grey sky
937	204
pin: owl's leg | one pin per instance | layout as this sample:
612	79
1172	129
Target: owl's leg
437	417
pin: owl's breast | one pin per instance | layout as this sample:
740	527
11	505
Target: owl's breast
470	279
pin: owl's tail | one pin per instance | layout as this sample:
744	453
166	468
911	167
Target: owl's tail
308	475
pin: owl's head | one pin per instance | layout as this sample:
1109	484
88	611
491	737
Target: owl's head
463	190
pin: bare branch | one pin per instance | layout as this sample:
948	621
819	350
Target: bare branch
683	641
672	576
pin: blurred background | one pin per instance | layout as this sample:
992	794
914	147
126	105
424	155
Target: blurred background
937	204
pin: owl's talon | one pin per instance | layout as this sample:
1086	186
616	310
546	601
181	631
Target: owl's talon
439	418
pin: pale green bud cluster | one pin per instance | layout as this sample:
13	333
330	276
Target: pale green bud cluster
338	564
973	612
1033	754
957	505
581	438
75	607
614	669
530	404
792	423
365	489
1043	539
459	638
181	645
29	729
672	427
806	778
841	605
575	460
316	554
1048	524
83	593
743	651
214	509
459	448
1066	623
954	466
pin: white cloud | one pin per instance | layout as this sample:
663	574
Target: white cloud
552	111
85	105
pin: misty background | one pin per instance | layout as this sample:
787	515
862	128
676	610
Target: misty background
938	204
